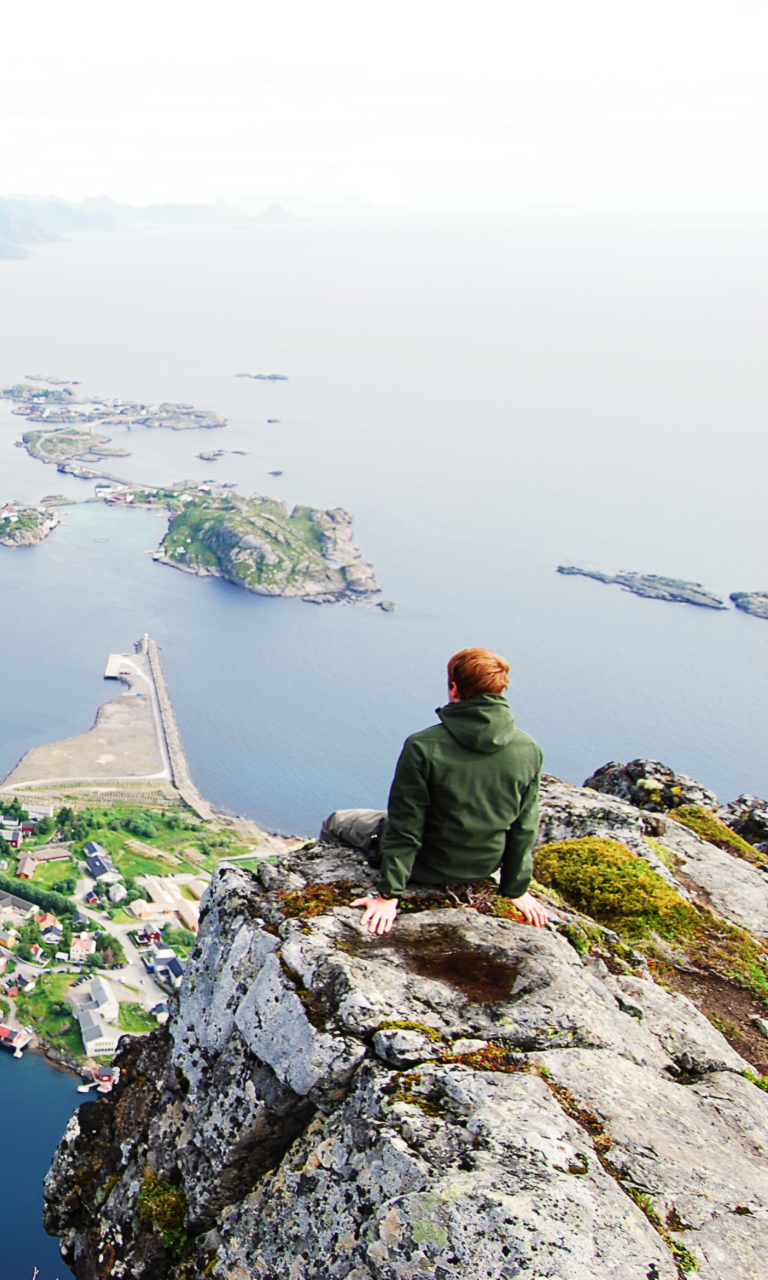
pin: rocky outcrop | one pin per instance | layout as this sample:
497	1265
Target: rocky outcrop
748	817
651	785
653	587
467	1096
754	602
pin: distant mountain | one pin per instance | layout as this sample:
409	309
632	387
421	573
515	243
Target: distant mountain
55	215
274	214
170	214
15	229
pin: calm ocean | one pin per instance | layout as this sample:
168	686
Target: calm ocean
489	400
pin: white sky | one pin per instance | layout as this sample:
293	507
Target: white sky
408	103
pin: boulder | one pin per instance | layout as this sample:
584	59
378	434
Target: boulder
651	785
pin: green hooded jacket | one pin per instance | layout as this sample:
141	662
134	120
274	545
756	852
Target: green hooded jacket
464	800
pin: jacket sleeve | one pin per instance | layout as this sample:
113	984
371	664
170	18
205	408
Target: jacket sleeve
517	863
407	810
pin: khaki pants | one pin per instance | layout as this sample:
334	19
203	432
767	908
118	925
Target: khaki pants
355	827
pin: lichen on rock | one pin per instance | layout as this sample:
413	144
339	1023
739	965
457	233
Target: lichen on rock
466	1096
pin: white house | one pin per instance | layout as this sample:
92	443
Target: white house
164	893
103	1000
83	945
117	892
98	1038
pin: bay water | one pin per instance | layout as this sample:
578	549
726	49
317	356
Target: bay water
36	1102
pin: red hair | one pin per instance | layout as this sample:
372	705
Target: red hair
478	671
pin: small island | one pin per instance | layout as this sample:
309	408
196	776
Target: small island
61	404
257	544
24	526
653	587
754	602
67	446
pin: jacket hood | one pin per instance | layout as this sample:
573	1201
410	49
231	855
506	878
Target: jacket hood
484	723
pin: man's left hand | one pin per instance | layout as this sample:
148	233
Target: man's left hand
534	911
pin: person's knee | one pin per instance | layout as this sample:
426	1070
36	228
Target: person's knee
358	828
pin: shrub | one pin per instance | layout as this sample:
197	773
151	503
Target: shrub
45	898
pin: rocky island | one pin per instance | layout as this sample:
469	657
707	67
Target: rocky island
652	586
754	602
256	543
468	1096
25	526
65	446
62	404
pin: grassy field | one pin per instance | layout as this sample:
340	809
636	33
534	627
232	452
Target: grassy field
134	1018
49	872
44	1010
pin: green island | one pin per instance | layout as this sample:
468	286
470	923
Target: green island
258	544
63	446
25	526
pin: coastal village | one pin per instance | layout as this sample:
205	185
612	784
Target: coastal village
101	884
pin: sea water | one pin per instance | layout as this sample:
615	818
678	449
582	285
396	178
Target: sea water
488	399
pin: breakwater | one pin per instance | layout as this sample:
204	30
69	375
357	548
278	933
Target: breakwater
182	779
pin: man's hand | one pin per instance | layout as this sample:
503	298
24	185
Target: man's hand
379	914
534	911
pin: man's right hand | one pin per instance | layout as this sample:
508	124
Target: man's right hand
379	914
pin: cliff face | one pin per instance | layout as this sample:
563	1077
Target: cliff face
466	1097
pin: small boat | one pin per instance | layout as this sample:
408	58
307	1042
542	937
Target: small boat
85	1088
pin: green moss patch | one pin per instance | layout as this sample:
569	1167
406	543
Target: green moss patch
163	1209
705	824
315	899
606	880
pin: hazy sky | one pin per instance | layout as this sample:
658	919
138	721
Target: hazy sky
420	103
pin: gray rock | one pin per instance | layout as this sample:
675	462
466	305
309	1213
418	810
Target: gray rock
312	1136
698	1152
748	817
403	1048
465	1173
754	602
649	784
682	1030
737	890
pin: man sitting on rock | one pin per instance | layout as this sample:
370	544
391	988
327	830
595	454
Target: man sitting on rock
464	802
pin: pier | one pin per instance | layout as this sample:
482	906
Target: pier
182	779
133	750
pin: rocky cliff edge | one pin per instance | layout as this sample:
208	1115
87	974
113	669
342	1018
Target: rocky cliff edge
467	1097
